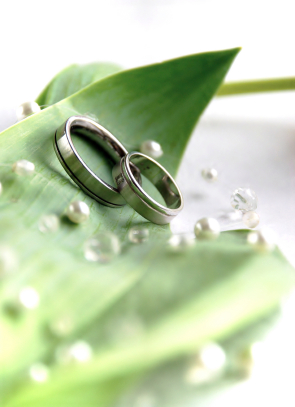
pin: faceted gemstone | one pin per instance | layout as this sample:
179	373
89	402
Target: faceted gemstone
244	199
102	247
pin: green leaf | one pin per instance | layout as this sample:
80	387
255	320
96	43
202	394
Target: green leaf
72	79
175	302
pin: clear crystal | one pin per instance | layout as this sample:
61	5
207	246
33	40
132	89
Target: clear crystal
102	248
138	234
48	223
244	199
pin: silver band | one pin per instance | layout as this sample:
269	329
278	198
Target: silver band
80	173
134	194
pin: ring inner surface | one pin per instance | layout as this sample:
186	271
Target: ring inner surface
159	179
102	138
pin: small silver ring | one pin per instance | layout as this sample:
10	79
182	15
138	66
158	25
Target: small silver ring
134	194
80	173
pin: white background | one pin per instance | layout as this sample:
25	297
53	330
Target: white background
249	139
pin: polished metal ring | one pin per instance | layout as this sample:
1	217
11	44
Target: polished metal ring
134	194
80	173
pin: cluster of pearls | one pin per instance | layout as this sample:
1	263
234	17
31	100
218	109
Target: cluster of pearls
151	148
27	109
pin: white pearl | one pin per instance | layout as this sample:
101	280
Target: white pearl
209	364
263	240
61	327
244	199
182	242
27	109
81	351
29	298
138	234
78	211
23	167
207	229
102	248
151	148
8	260
251	219
48	223
39	372
210	174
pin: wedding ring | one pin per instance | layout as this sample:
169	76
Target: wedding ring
134	194
80	173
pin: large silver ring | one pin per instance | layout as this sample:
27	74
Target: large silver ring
134	194
80	173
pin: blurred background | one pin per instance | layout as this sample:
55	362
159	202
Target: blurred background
249	139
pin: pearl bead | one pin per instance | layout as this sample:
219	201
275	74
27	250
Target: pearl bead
79	351
102	247
29	298
251	219
244	199
23	167
8	260
61	327
27	109
209	364
151	148
48	223
207	229
39	372
263	240
181	242
138	234
210	174
78	211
